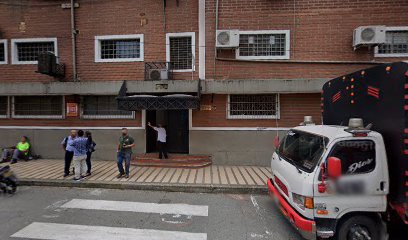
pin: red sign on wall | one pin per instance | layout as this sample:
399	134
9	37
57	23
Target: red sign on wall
72	109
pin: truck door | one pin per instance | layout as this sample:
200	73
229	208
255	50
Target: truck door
358	188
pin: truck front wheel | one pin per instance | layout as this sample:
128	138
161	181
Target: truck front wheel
358	228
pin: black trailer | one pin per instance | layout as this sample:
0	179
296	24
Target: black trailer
378	95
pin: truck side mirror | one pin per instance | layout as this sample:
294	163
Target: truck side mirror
334	167
276	141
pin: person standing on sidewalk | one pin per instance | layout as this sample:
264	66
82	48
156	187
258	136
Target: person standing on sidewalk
69	151
126	143
161	140
90	148
80	148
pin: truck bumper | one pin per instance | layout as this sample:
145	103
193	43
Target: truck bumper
306	227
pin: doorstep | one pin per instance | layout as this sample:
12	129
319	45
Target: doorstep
214	178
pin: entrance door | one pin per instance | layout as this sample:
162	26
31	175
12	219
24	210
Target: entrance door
176	124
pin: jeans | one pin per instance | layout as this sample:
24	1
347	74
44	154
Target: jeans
162	150
80	166
16	154
88	161
68	159
123	156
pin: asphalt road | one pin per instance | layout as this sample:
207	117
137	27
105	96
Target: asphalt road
41	212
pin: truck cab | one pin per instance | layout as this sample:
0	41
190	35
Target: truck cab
332	180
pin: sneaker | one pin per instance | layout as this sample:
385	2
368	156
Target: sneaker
127	176
88	174
66	174
83	177
120	175
76	179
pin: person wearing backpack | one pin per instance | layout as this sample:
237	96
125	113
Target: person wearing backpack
90	146
69	151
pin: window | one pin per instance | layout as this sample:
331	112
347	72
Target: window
25	51
180	51
119	48
302	149
396	43
273	44
260	106
357	156
3	107
38	107
103	107
3	51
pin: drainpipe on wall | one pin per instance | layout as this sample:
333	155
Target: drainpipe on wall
201	40
215	34
73	38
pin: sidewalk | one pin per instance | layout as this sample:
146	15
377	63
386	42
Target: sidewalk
215	178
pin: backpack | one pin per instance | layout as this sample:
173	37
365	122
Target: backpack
65	142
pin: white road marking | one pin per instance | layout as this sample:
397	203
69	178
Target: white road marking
54	231
182	209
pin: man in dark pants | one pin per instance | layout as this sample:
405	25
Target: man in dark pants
124	152
69	151
161	140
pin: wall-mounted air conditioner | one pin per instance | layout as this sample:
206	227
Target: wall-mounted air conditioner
158	74
227	38
368	36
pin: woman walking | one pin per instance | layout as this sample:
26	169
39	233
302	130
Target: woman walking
90	149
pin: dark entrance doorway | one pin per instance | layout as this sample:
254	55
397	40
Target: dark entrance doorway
176	124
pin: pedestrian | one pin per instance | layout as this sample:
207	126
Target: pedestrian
80	148
124	152
161	140
69	151
20	151
89	150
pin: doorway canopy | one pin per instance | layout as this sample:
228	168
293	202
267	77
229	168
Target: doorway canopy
155	102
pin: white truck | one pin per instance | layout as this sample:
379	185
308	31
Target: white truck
342	179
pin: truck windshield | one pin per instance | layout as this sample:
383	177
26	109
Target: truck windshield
302	149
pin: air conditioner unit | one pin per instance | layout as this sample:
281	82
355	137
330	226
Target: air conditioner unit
368	35
48	64
227	38
158	74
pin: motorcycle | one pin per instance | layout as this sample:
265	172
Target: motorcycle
8	180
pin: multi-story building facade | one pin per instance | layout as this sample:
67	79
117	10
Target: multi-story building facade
280	54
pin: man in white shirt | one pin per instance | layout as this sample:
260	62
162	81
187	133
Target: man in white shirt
161	139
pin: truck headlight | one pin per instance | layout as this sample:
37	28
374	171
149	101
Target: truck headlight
302	202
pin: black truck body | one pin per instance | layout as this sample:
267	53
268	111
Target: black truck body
378	95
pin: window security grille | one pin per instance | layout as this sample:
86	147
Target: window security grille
3	106
103	107
118	49
28	51
396	43
262	45
38	106
262	106
2	52
181	56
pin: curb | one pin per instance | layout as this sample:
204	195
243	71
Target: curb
189	188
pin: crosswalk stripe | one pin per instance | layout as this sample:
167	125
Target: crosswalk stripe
182	209
55	231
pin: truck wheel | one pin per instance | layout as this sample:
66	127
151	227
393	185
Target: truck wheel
358	228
